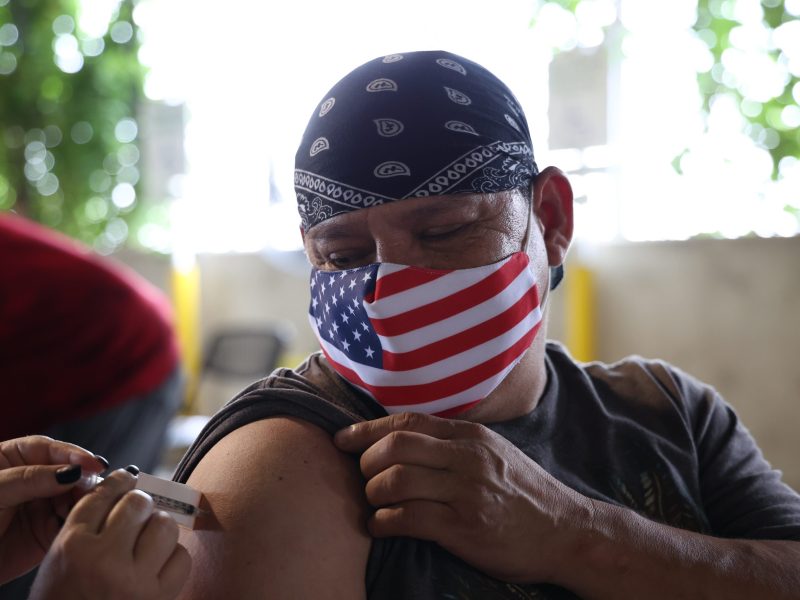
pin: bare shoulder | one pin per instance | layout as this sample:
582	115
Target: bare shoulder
287	516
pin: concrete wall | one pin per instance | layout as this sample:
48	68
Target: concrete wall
725	311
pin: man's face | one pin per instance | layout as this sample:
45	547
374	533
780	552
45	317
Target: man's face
440	232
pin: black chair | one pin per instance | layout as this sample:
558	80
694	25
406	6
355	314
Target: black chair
235	357
245	352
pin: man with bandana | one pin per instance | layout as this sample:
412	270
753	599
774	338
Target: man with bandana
438	446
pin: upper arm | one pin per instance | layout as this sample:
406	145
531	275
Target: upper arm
742	494
287	516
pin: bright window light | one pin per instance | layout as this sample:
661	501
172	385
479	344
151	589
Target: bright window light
251	73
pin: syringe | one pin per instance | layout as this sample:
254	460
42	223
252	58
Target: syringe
178	500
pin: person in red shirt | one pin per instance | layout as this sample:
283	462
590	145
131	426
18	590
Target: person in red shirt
88	353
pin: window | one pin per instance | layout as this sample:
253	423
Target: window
251	74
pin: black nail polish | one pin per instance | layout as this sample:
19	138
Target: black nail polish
69	474
102	460
132	469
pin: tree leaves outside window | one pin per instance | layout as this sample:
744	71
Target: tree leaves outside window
69	87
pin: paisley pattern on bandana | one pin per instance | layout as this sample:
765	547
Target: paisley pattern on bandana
406	126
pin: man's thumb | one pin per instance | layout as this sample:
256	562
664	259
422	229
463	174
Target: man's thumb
23	484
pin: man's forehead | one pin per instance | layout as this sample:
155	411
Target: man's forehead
413	212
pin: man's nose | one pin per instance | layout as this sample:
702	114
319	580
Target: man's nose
399	248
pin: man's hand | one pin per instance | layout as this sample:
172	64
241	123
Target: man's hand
114	545
37	475
479	497
468	489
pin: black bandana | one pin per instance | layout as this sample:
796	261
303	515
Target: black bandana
411	125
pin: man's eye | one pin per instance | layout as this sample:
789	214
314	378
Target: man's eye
337	257
340	261
440	233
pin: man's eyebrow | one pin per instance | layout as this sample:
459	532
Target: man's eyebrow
443	207
436	208
328	231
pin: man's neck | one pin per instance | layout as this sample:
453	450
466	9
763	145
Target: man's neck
520	391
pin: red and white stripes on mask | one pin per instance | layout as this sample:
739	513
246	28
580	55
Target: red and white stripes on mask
425	340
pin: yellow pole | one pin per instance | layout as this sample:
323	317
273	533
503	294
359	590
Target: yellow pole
579	314
186	300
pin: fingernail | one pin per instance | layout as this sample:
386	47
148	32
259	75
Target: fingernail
61	521
132	469
102	460
69	474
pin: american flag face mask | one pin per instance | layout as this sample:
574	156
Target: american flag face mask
426	340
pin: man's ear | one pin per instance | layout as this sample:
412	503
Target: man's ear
552	206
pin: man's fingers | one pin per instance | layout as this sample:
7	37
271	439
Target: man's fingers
408	448
175	572
419	519
362	435
402	483
157	541
23	484
92	510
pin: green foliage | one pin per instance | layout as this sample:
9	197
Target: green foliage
765	124
569	5
67	126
